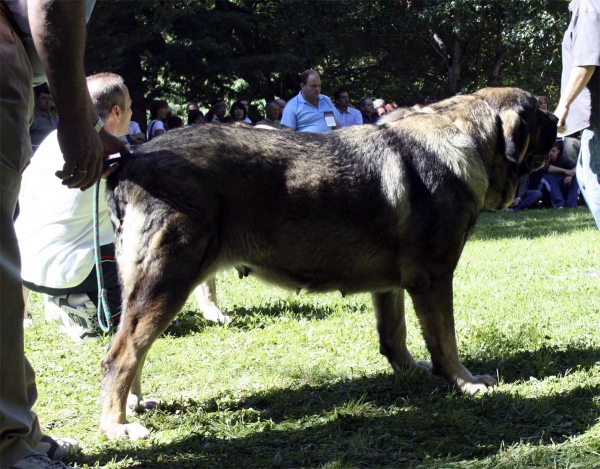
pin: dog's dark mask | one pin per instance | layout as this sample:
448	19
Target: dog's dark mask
542	136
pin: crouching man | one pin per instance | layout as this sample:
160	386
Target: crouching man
56	232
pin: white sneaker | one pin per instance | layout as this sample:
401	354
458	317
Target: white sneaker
77	315
57	448
39	461
27	321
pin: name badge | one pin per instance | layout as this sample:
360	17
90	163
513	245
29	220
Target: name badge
329	119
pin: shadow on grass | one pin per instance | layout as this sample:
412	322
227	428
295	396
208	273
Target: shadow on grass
532	223
539	364
191	321
281	308
383	420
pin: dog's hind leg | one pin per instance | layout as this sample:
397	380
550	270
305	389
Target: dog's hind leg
391	325
206	297
434	309
135	401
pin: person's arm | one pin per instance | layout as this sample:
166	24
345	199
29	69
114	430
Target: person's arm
336	116
578	79
557	170
136	133
58	31
139	137
358	118
288	119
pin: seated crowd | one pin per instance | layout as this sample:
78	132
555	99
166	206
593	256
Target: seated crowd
309	111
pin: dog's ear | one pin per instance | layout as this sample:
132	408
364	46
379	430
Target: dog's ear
516	109
516	135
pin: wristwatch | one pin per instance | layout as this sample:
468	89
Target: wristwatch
99	125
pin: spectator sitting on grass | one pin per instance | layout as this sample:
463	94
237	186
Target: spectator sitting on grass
237	113
159	110
217	111
174	122
558	176
195	117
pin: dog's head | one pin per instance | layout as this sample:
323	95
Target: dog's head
526	136
528	132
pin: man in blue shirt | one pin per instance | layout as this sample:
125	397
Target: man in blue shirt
309	110
348	116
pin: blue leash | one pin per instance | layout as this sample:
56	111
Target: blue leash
105	321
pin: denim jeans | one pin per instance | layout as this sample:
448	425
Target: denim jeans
588	170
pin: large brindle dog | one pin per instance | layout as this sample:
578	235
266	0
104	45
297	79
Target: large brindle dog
379	209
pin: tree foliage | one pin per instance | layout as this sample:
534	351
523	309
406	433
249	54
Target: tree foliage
401	50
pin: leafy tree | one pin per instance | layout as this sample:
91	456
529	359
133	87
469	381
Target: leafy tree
404	50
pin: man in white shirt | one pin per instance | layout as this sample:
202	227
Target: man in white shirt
348	116
55	227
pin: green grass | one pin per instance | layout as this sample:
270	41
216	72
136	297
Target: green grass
297	381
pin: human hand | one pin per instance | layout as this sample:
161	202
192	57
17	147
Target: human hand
82	151
112	145
139	138
570	172
561	112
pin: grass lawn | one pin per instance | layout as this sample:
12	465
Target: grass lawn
297	381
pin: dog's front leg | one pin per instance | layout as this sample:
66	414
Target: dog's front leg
433	306
391	325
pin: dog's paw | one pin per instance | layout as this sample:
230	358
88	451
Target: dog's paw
127	431
214	314
407	362
478	384
135	405
424	365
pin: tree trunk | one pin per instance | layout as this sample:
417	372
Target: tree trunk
494	79
455	67
132	75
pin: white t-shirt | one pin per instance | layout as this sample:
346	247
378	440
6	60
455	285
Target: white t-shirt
55	226
153	127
